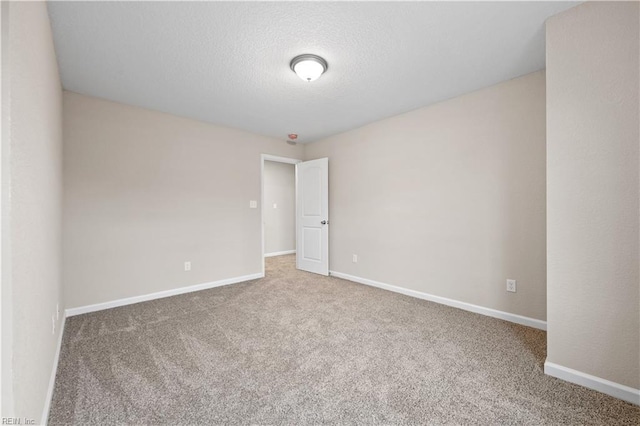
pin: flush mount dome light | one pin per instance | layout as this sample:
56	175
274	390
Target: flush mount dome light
308	67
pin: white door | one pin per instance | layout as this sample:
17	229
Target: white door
312	216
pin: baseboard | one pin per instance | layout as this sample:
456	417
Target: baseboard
518	319
54	370
159	295
608	387
279	253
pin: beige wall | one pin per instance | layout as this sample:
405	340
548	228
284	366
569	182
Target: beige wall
279	222
32	106
448	199
593	190
146	191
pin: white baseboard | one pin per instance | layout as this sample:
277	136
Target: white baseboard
159	295
518	319
279	253
54	370
608	387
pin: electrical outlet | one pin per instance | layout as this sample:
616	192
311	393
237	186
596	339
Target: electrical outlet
511	286
355	258
53	324
253	204
187	266
275	205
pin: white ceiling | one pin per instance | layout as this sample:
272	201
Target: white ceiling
228	63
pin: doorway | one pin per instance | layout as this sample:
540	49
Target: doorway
295	211
278	206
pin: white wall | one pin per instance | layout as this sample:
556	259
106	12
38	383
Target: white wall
146	191
31	206
279	221
593	190
448	199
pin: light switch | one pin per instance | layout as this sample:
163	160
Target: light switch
275	206
253	204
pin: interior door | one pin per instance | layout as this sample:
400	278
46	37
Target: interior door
312	216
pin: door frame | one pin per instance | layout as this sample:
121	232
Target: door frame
277	159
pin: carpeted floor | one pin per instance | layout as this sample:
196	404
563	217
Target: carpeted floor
298	348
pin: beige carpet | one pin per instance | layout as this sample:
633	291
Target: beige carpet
297	348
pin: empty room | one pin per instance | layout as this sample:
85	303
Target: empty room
311	212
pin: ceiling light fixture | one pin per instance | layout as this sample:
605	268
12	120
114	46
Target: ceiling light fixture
309	67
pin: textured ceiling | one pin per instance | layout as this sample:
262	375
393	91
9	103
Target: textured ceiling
228	63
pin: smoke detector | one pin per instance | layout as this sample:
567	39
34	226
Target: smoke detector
292	138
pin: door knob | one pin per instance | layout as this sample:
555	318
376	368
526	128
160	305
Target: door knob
324	222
